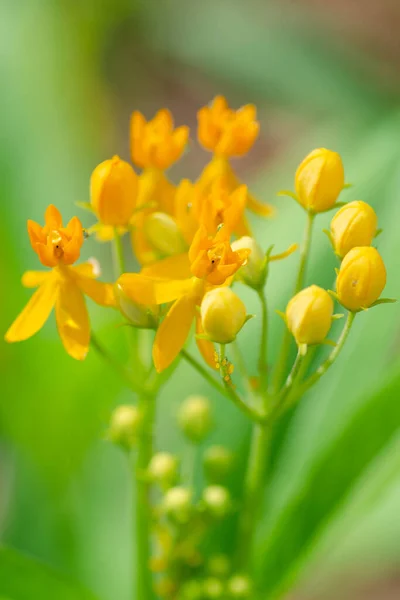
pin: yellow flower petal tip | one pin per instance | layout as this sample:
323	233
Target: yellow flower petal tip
156	144
309	315
361	278
319	180
113	192
355	224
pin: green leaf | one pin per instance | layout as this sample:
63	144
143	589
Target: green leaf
23	578
325	488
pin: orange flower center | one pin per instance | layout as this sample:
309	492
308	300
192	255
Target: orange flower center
57	243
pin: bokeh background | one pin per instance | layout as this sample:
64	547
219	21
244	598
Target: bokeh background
321	74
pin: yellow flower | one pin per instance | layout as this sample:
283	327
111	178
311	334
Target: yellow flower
223	315
63	287
319	180
309	315
212	261
113	191
228	133
156	144
361	278
355	224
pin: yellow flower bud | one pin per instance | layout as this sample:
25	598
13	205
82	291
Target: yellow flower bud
361	278
218	462
177	504
195	418
240	587
163	233
223	315
252	273
353	225
213	589
319	180
309	315
163	469
125	425
217	501
113	191
140	315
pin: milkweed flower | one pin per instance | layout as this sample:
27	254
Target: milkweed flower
319	180
211	262
361	278
355	224
63	287
228	133
309	315
113	195
155	146
223	315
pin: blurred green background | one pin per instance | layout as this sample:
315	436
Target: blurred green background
321	74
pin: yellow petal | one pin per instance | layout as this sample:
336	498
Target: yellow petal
35	313
173	331
31	279
173	267
145	290
259	208
205	347
91	268
72	319
101	293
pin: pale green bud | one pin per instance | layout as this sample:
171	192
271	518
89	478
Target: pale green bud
194	418
213	588
218	461
217	501
163	234
191	590
163	469
139	315
252	273
240	587
125	425
177	504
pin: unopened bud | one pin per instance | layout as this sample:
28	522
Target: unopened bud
361	278
163	469
139	315
252	273
218	461
177	504
223	315
191	590
195	418
219	565
113	191
217	501
309	315
355	224
213	588
240	587
319	180
125	425
163	234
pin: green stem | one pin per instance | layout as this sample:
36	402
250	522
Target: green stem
142	526
285	348
118	253
263	357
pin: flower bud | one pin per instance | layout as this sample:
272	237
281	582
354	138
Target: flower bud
217	501
177	504
353	225
252	273
191	590
163	469
125	426
213	588
319	180
218	461
113	191
219	565
361	278
223	315
139	315
309	315
240	587
163	234
195	418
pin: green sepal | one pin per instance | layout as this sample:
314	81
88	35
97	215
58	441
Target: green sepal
334	295
383	301
378	232
287	193
328	233
248	317
282	315
336	205
347	186
336	271
303	349
328	342
85	205
337	316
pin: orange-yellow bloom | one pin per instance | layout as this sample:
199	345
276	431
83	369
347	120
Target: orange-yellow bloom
155	144
63	287
212	263
228	133
113	192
